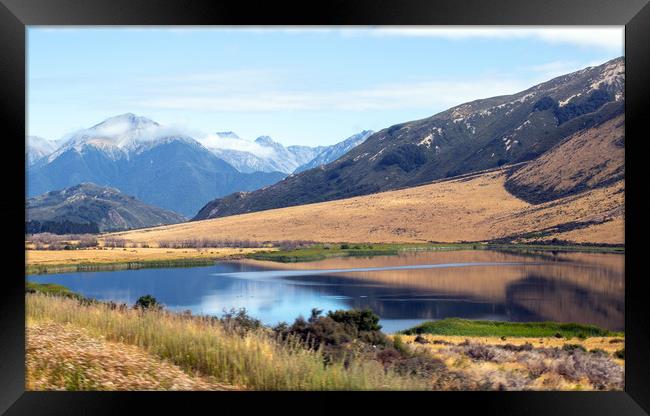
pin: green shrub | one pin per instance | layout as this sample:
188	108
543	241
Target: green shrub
147	302
620	354
238	320
361	319
573	347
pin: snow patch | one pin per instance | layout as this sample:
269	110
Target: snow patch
565	102
426	141
377	154
525	123
613	73
361	156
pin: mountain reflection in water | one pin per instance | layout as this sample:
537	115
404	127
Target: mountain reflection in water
404	289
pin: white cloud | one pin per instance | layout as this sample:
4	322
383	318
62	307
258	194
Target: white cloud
602	37
431	94
214	141
610	38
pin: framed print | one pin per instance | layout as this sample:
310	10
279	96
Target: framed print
404	200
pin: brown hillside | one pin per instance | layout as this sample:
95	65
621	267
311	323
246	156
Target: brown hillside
586	160
474	208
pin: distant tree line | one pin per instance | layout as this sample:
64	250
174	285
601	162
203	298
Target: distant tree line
233	243
49	241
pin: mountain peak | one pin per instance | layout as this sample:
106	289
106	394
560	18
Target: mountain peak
227	135
126	121
266	141
114	136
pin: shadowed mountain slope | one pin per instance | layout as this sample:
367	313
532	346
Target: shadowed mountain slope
588	159
88	207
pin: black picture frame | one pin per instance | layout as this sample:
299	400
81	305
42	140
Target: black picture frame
15	15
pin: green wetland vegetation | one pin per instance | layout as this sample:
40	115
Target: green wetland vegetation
130	265
464	327
322	251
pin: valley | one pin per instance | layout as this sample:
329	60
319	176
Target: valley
480	248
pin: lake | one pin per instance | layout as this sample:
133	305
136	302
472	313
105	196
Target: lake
403	290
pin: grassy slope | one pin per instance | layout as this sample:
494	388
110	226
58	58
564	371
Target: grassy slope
474	208
256	360
64	357
464	327
588	159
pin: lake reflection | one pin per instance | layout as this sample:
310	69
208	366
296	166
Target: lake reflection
404	290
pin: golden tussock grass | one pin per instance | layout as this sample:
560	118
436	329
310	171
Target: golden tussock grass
476	208
256	360
64	357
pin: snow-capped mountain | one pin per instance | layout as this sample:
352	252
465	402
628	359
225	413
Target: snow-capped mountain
117	137
37	148
156	164
261	155
335	151
245	155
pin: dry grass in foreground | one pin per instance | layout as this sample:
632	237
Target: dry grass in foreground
80	345
492	363
64	357
474	208
255	360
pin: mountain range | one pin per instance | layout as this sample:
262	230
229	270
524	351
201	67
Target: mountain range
36	148
478	135
90	208
331	153
262	155
163	166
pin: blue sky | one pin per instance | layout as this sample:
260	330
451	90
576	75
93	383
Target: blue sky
300	85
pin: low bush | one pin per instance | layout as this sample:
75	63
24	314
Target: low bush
238	320
573	347
147	302
620	354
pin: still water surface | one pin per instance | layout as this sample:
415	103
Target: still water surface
403	290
